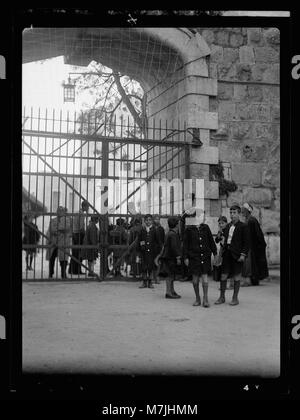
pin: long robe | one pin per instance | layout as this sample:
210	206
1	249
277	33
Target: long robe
258	260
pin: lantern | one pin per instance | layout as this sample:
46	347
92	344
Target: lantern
69	91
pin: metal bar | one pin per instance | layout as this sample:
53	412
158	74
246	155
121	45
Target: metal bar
87	138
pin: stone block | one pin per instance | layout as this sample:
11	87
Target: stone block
255	93
222	38
216	55
213	104
262	131
208	35
213	70
270	221
207	120
199	171
271	74
266	55
261	197
247	173
272	36
225	91
198	85
230	55
227	110
255	36
211	190
236	40
275	113
253	111
243	72
235	197
215	208
255	151
212	222
257	72
226	71
273	248
246	55
271	175
229	152
241	130
240	91
271	94
206	155
221	134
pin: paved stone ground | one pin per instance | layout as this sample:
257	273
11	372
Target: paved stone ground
115	327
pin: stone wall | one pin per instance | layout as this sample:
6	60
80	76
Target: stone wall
246	63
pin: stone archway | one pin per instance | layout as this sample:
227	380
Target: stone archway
170	64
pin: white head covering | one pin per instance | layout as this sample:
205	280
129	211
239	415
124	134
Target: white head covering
248	207
197	219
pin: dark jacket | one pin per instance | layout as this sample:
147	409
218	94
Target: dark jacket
198	242
91	237
160	231
152	241
172	246
240	239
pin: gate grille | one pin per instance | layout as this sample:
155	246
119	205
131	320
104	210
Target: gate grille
67	159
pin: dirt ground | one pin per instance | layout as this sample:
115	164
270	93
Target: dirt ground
115	327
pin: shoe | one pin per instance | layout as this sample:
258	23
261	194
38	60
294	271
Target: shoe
206	304
234	302
197	303
219	301
167	296
92	275
143	286
176	295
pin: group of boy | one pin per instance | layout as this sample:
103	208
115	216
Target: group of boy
196	251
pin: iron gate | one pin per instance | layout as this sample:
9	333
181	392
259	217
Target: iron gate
67	159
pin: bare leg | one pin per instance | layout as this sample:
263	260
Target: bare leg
172	288
168	286
205	290
222	289
236	288
196	290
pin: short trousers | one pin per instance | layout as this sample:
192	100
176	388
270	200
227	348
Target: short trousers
230	265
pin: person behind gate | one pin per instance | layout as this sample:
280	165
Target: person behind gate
91	237
59	241
78	232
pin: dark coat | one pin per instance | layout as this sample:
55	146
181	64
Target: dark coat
198	245
118	236
257	244
31	236
91	237
171	250
161	235
148	243
240	240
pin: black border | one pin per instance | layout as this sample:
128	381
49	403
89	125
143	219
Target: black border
111	389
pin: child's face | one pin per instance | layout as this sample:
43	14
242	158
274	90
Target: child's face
222	224
156	220
234	215
148	221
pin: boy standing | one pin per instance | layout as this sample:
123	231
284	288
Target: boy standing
198	245
148	241
236	247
